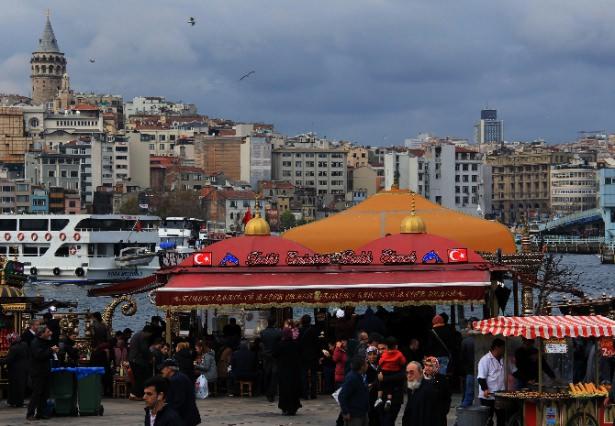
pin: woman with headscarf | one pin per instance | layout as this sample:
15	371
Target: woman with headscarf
440	385
17	362
288	357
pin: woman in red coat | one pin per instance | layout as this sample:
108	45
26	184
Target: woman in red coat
340	357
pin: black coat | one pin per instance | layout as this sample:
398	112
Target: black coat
185	362
244	363
17	361
442	399
139	352
370	323
289	376
180	398
40	357
165	417
309	346
420	407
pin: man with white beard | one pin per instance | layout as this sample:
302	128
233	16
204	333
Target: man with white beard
421	402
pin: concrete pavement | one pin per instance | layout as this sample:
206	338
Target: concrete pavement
220	411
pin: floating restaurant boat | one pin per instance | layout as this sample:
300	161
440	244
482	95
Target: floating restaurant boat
81	248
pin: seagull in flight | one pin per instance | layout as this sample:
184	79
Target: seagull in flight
247	75
192	21
92	60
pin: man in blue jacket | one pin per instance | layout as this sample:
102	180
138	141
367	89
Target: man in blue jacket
354	395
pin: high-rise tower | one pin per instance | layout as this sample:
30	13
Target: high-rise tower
48	67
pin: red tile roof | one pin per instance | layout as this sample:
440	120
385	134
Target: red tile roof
84	107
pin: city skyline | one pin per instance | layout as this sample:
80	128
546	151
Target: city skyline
374	72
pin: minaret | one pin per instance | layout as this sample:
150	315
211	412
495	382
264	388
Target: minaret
48	67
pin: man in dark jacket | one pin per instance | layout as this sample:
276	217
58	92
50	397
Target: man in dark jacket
244	365
354	395
140	359
420	408
41	354
270	338
157	411
309	346
180	395
370	323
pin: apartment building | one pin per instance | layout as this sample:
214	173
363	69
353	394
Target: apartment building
574	188
322	170
452	176
521	182
14	141
227	154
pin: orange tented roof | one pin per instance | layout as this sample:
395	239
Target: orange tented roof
382	213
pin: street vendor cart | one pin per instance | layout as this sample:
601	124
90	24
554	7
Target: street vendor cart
576	404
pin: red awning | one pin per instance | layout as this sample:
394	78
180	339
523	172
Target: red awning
259	289
548	326
139	285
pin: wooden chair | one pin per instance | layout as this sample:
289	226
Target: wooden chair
120	387
245	388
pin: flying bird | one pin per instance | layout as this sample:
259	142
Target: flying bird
92	60
247	75
192	21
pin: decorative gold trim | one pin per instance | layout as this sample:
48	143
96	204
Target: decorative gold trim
13	307
319	305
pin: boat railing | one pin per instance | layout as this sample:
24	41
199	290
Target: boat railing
115	230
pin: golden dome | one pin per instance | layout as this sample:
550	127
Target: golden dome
257	225
413	224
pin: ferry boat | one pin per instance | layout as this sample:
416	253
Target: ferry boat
81	248
181	234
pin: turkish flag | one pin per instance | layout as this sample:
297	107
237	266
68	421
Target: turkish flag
202	259
247	216
458	255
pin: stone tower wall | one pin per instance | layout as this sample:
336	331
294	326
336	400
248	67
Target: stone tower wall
47	70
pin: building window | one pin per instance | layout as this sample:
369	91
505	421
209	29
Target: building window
51	173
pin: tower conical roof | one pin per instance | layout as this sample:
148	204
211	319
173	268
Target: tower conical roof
48	42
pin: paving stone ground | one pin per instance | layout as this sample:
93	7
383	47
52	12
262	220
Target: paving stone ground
222	411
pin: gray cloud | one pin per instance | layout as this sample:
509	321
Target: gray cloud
361	70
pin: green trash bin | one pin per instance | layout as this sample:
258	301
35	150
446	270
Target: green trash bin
89	390
62	390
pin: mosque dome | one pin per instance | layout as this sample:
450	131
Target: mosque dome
257	226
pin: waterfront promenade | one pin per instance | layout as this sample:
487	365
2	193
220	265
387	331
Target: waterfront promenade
214	412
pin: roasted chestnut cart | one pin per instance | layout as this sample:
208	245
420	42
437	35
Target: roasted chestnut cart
549	406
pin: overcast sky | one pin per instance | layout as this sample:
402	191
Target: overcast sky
370	71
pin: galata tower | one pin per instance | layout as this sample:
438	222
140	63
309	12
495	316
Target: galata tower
48	67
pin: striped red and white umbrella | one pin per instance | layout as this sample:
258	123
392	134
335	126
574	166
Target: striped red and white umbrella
548	326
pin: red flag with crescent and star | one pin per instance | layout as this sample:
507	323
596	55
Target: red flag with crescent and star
202	259
457	255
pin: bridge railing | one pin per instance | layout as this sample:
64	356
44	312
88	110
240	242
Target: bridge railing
569	239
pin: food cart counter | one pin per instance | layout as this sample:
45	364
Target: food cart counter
578	404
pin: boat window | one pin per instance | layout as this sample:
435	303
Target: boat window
62	251
91	248
58	224
175	224
43	250
8	224
3	250
30	250
32	224
13	250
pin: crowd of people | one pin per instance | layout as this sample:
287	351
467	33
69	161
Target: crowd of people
370	363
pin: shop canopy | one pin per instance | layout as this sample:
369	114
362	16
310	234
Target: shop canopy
547	327
268	271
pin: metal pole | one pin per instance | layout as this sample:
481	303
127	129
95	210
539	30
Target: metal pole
539	364
515	283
